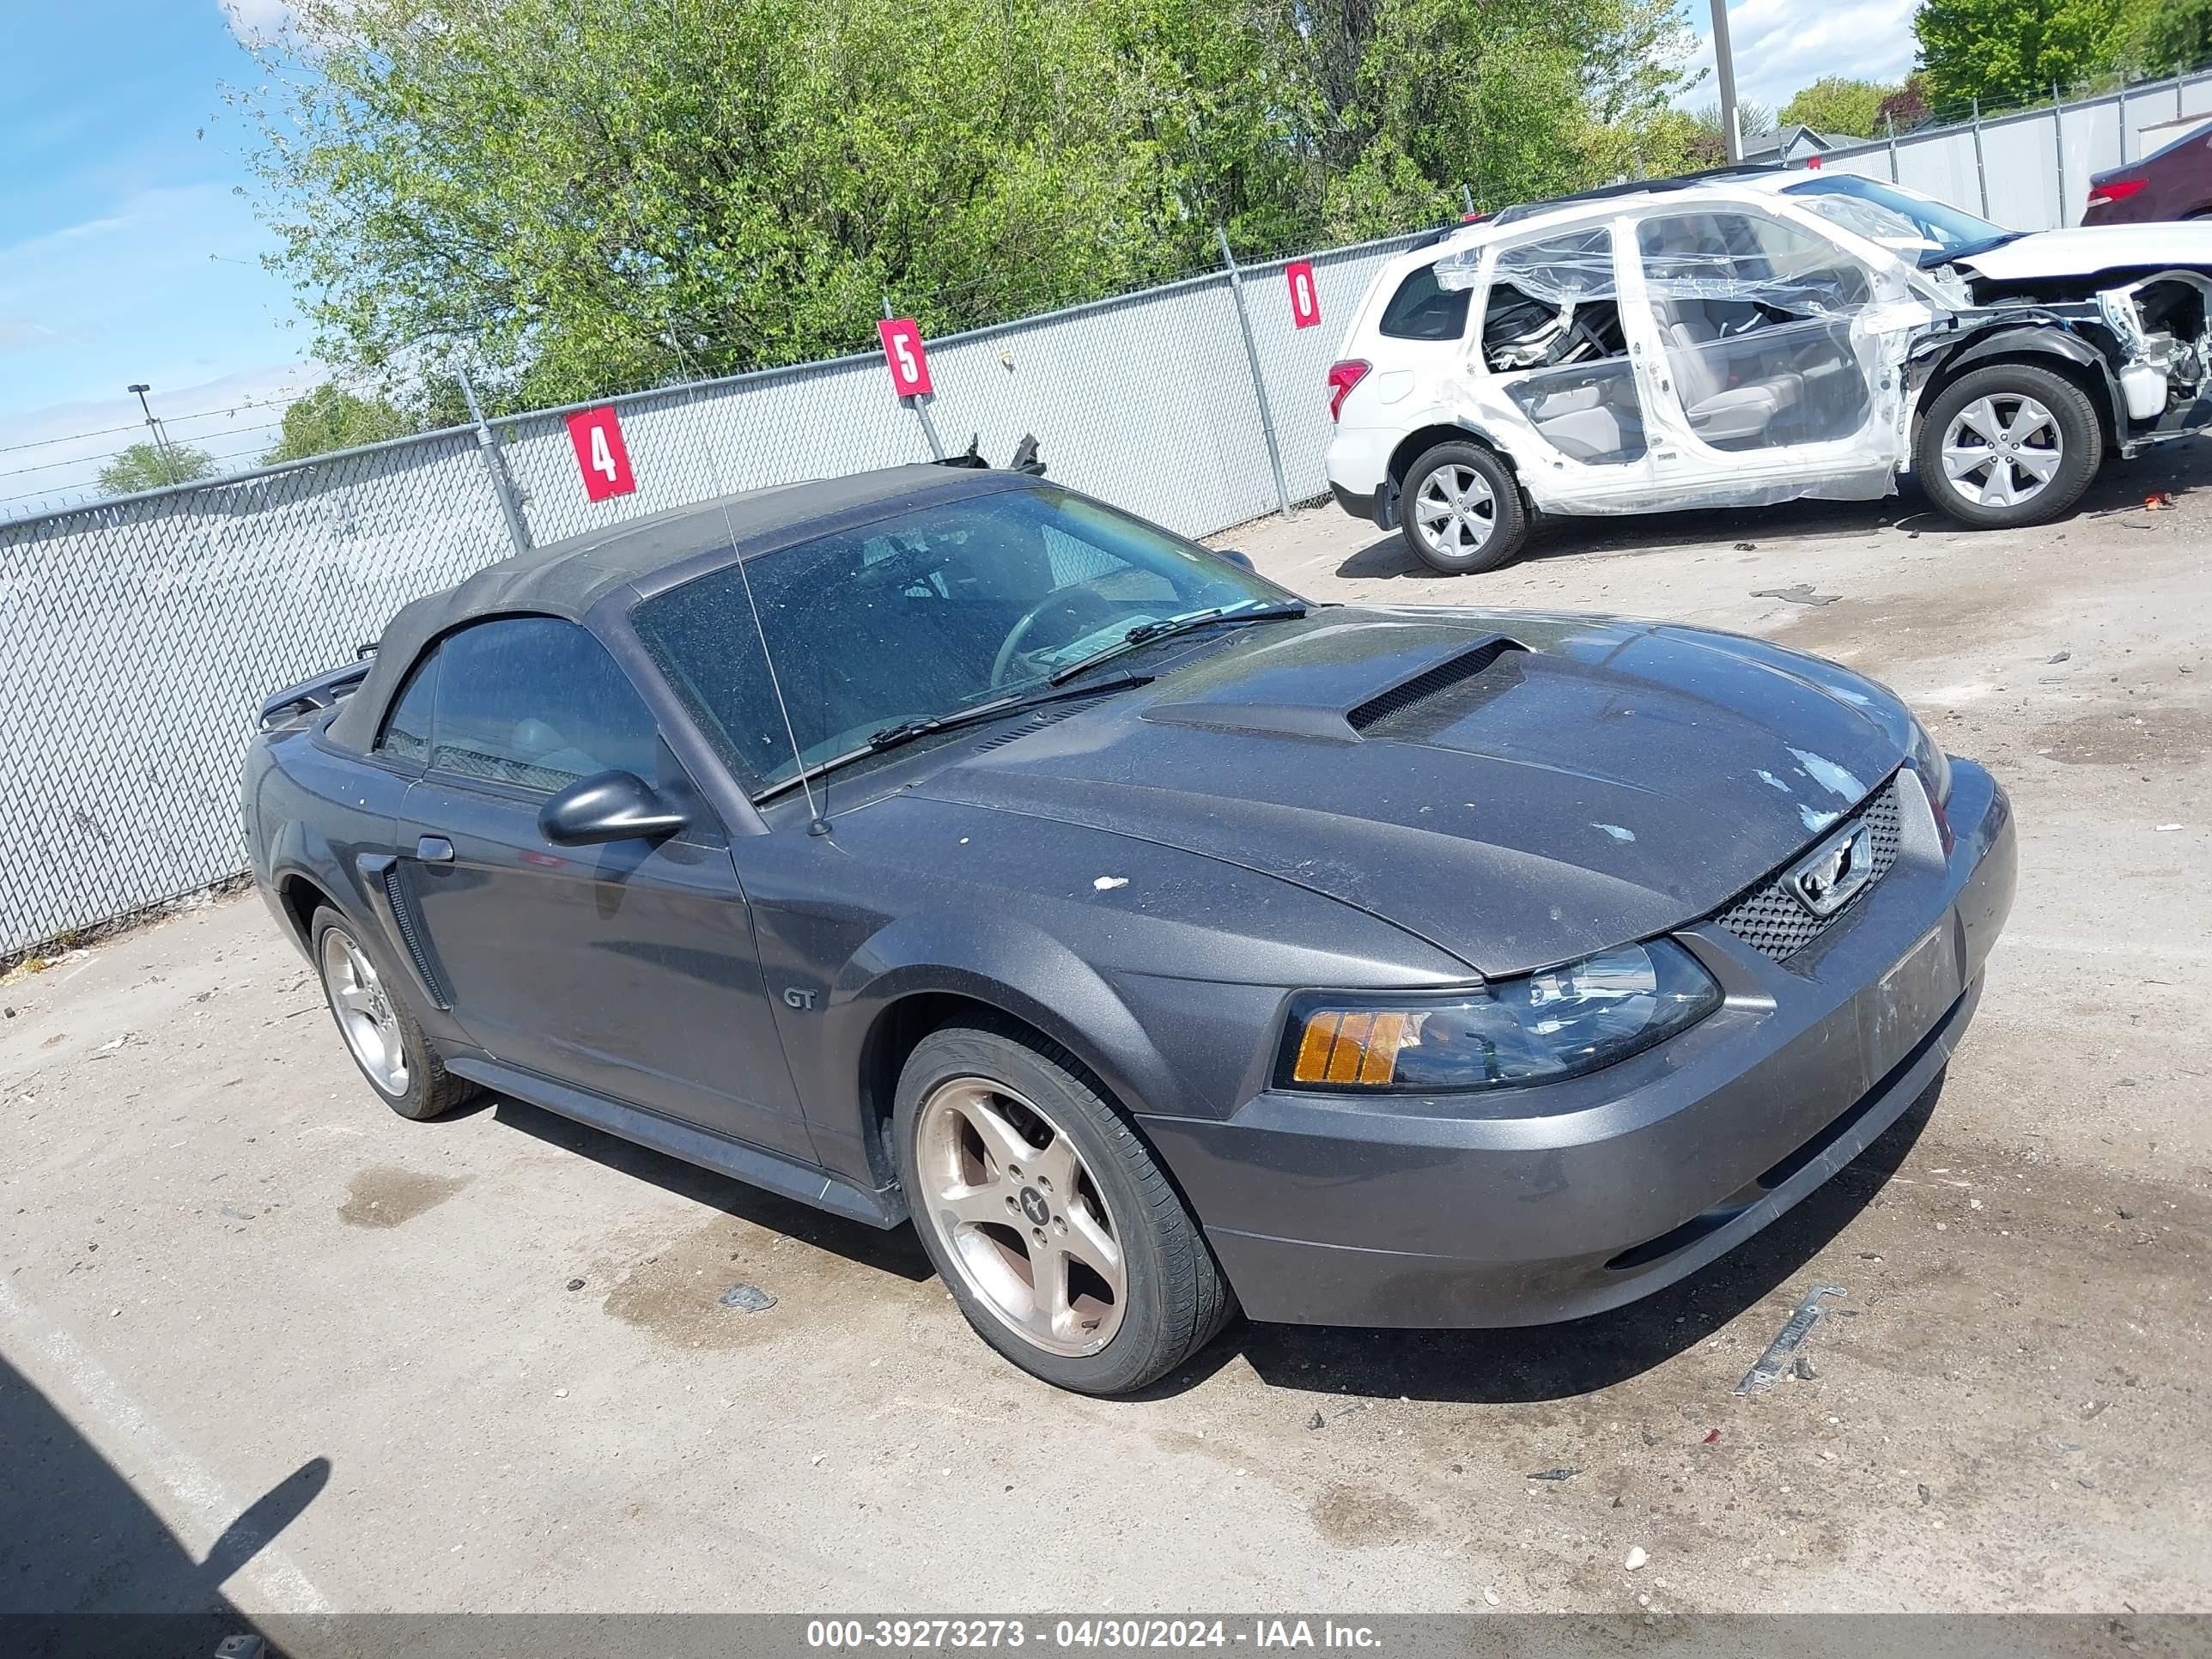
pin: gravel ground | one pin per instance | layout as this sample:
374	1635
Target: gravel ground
481	1363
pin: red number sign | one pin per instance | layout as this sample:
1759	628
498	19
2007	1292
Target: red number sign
600	453
901	338
1305	298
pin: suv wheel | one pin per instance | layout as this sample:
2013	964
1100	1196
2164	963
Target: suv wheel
1460	510
2007	445
379	1029
1047	1218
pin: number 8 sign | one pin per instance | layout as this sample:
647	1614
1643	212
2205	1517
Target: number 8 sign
1305	299
601	455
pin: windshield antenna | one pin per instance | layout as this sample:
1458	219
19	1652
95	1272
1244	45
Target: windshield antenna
816	824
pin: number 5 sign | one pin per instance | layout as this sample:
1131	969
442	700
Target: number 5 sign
1305	299
901	338
600	453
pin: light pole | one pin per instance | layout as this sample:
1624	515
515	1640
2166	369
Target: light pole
161	437
1724	68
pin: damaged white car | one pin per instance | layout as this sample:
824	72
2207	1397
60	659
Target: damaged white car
1747	338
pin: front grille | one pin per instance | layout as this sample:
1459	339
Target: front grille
1770	919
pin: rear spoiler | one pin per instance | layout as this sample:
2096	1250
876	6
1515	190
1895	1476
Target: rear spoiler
312	697
1025	456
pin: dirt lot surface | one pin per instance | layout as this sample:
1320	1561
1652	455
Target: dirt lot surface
481	1363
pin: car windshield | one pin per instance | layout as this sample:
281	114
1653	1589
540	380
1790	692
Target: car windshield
921	617
1902	219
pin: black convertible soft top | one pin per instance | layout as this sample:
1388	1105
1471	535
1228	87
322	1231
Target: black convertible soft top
566	578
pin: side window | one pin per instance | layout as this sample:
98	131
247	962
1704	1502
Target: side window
1749	259
1423	310
1552	302
407	727
536	703
1755	317
1552	323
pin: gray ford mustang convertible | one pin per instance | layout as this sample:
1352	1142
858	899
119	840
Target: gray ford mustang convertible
941	844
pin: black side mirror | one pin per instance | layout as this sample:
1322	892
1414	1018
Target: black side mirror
1234	557
611	806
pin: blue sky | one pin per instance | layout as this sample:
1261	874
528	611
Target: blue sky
1780	45
127	254
124	253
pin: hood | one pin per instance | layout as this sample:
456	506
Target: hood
1517	790
2089	249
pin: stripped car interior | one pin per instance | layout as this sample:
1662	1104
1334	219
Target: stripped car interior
1753	338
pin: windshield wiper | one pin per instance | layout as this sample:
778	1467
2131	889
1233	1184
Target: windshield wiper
906	732
1146	633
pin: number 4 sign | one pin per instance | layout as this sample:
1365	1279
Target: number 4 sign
600	453
901	338
1305	299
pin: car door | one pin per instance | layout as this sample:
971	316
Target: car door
1757	371
630	968
1554	346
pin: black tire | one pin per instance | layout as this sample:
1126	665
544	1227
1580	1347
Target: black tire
1507	520
1175	1299
431	1091
2074	417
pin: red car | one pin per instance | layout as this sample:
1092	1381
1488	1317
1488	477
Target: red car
2173	182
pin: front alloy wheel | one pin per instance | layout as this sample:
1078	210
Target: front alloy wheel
1049	1220
2003	451
2010	445
1019	1216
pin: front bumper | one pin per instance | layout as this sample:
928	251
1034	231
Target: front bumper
1526	1206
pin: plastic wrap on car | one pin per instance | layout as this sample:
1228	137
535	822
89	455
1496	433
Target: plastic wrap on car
1757	353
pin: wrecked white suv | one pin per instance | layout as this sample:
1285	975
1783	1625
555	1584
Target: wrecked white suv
1735	340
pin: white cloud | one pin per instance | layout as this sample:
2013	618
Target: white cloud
50	458
254	21
1782	46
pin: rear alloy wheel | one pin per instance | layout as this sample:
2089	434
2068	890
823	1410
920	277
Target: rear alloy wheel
379	1030
2009	445
1047	1217
1461	510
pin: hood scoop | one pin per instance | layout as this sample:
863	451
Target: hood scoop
1434	698
1428	700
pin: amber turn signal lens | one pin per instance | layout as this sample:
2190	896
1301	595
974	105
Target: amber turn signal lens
1341	1046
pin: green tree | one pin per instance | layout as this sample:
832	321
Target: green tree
585	196
1910	106
2171	36
154	466
2012	51
330	418
1837	103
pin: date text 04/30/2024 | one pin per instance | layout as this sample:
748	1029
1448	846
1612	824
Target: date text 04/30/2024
929	1634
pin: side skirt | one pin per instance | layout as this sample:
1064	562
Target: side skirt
754	1166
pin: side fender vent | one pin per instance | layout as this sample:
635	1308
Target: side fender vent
403	913
1435	697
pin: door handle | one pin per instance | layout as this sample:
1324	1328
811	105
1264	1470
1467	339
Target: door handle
434	849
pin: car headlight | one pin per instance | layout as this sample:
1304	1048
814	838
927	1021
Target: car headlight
1934	766
1558	1023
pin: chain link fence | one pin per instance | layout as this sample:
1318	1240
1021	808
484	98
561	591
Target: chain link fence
2030	169
139	637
